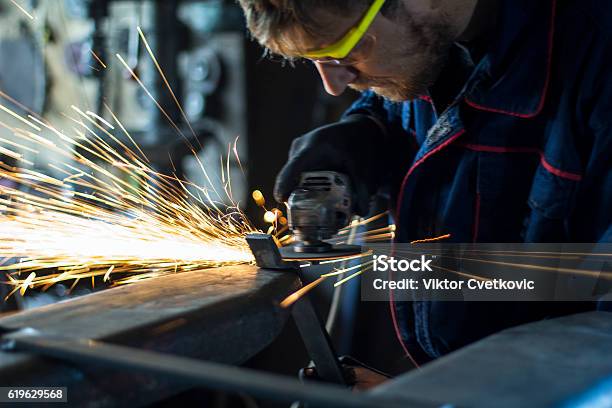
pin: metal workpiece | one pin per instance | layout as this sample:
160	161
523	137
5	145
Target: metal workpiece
225	315
190	372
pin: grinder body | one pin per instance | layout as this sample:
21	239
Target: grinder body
317	209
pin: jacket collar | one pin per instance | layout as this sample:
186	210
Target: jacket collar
513	76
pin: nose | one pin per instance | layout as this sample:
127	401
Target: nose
335	78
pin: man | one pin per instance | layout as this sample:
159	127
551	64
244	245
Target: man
489	120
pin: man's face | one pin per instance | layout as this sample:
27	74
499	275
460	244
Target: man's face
399	57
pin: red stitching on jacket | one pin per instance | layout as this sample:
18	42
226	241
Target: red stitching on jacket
500	149
551	35
558	172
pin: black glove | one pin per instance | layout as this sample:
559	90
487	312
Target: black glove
356	146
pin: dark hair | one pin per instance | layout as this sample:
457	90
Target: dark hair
271	21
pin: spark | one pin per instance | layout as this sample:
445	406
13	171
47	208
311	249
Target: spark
176	128
373	218
291	299
109	215
30	16
111	212
19	118
125	132
107	274
556	268
379	234
318	260
235	150
283	229
441	237
274	217
17	103
362	267
269	217
295	296
345	270
354	275
258	198
380	237
163	76
286	240
538	254
100	118
139	81
98	59
544	268
347	258
464	274
27	282
10	153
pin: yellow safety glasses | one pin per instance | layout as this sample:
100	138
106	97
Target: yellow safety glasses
341	49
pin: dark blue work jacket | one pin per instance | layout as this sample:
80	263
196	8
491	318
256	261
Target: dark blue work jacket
522	154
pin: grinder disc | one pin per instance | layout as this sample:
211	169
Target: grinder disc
337	251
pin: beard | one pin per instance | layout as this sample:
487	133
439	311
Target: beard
415	67
395	90
410	82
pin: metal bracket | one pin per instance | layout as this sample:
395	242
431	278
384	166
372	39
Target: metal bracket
266	253
317	343
313	333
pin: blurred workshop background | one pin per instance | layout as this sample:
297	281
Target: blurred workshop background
232	94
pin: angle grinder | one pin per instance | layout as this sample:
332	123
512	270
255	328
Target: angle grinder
317	209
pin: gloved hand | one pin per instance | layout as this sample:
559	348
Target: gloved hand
356	146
